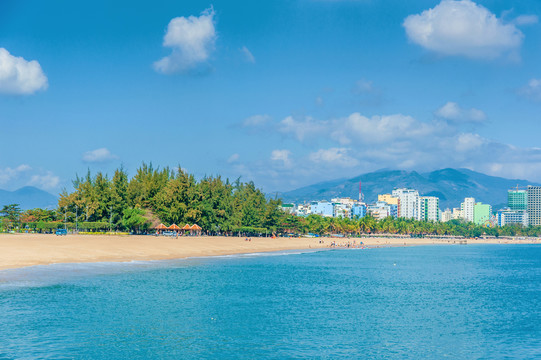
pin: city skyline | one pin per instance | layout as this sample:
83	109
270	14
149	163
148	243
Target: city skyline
280	93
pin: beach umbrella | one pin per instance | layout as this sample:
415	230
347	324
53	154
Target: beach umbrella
161	227
174	227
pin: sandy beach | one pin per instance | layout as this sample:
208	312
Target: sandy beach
21	250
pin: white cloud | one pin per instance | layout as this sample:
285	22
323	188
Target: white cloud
8	174
378	129
532	91
302	129
98	155
526	20
248	56
256	120
47	181
468	142
23	175
463	28
282	156
19	76
356	143
452	111
333	157
191	40
356	127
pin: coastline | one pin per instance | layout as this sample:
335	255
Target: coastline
23	250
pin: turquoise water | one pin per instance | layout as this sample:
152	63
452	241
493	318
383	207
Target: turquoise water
457	302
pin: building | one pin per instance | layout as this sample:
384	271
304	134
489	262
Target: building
517	199
508	217
393	210
446	215
344	201
428	208
358	210
380	210
323	208
341	210
289	208
303	210
389	199
457	214
481	213
534	205
407	202
467	209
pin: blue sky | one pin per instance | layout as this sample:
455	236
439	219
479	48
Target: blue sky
284	93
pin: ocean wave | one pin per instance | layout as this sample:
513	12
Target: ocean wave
51	274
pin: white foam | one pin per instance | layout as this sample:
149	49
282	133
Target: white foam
46	275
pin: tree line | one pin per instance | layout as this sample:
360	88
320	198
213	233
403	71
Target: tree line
219	206
170	196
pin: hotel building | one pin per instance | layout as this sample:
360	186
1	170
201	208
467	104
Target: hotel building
408	200
534	205
467	209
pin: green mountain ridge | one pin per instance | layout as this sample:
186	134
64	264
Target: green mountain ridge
450	185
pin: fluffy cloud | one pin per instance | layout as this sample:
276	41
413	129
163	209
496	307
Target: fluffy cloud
333	157
453	112
47	181
356	143
23	175
532	91
378	129
191	40
468	142
302	129
282	156
526	20
463	28
98	155
247	55
8	174
356	127
19	76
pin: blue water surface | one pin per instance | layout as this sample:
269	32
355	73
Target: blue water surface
425	302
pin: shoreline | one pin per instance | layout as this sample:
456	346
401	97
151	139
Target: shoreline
24	250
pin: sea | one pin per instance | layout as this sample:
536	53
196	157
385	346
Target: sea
420	302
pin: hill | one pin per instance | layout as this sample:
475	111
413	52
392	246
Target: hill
28	197
450	185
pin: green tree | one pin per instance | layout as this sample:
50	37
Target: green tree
11	214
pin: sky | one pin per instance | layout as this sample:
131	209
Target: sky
282	93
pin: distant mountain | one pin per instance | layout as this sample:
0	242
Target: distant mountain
28	197
450	185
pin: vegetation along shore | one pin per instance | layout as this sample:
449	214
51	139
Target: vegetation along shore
99	203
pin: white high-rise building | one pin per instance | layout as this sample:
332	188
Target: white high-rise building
467	209
408	202
428	208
